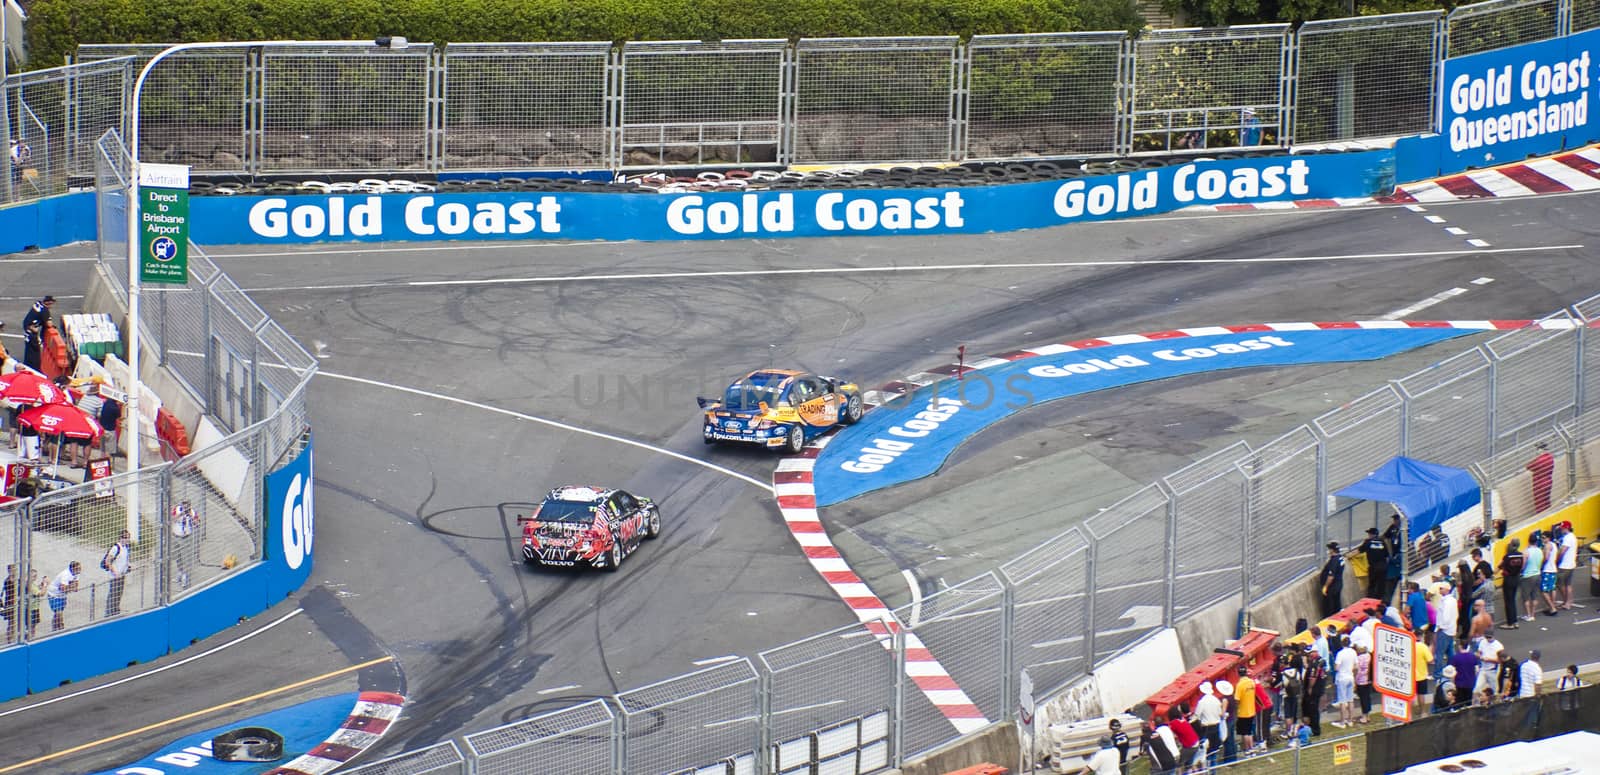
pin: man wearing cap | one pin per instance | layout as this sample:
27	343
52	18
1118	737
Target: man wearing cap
39	313
1394	535
1331	581
1376	551
1104	761
1230	741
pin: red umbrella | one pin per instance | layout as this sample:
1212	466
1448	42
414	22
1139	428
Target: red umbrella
61	420
26	387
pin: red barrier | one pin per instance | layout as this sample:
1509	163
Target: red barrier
1254	651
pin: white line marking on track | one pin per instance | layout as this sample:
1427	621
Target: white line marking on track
552	423
1477	243
1432	219
1424	304
186	660
713	660
1483	281
554	689
1416	208
1455	230
916	596
847	270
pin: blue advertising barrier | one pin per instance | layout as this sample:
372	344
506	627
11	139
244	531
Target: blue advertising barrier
89	652
766	214
1506	105
49	222
291	525
911	437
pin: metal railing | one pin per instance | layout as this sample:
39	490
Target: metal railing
301	108
248	377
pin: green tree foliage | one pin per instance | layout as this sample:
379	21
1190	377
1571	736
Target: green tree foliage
56	27
1216	13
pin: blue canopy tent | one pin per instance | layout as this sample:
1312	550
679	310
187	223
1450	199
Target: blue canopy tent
1426	494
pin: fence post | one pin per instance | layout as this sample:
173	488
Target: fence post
1245	572
438	85
1405	416
24	544
1494	393
1583	337
1008	652
1288	88
1127	77
1564	18
209	402
960	100
255	106
1169	602
1441	41
619	754
1089	602
898	641
163	498
788	96
615	104
764	711
6	194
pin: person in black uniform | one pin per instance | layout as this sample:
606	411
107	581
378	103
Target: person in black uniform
1331	581
1394	537
1119	741
1377	552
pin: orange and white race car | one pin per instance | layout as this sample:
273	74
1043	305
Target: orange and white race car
780	409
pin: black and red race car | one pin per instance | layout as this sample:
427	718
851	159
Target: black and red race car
592	526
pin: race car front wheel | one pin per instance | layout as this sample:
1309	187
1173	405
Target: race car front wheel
652	526
852	410
797	440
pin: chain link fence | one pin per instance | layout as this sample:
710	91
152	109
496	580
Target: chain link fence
703	103
1209	529
691	721
442	759
1043	95
525	105
1050	610
576	739
875	99
1209	88
1366	77
287	108
56	115
1281	534
1486	26
1356	439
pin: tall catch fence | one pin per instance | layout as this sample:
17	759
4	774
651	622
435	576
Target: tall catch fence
1230	529
304	108
212	495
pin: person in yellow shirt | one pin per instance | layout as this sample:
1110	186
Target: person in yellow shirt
1244	694
1421	666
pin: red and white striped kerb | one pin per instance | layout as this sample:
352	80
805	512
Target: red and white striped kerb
798	502
373	714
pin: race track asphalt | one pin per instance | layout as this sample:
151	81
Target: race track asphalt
418	491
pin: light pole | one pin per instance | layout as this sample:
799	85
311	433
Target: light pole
135	243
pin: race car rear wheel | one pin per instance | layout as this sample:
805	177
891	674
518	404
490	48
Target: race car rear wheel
652	525
852	410
613	558
797	440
